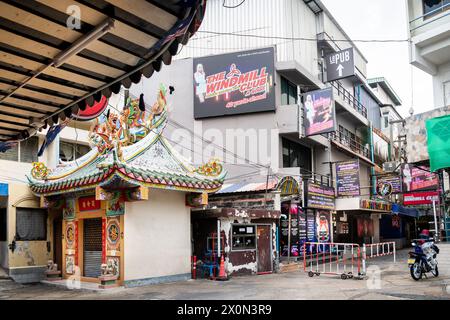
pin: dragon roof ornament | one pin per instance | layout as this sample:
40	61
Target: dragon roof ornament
129	146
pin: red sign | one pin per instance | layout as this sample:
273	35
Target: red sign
417	198
88	204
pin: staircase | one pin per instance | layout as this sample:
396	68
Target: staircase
3	274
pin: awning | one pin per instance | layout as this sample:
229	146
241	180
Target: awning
248	186
59	56
399	209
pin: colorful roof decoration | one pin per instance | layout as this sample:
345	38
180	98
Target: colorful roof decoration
128	150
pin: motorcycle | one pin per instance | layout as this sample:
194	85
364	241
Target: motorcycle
423	259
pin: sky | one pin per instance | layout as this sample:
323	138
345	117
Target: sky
385	19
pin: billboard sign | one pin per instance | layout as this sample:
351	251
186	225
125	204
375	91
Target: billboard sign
320	116
419	198
418	178
347	178
394	180
320	196
340	64
234	83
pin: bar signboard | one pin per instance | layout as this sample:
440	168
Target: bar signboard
320	196
347	178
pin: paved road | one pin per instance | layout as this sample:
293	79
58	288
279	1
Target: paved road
394	283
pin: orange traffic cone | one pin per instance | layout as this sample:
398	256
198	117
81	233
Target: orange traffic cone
222	274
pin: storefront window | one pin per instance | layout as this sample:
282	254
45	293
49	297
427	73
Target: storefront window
243	237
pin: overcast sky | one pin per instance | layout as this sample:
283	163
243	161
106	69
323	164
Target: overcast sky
385	19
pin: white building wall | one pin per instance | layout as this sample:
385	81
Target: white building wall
441	97
267	18
157	236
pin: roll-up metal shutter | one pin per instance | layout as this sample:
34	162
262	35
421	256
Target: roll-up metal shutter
92	243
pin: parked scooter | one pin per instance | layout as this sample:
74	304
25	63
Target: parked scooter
423	259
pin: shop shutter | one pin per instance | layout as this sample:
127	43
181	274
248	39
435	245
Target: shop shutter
92	243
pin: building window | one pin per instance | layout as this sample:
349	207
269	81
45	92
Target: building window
288	92
296	155
243	237
25	151
31	224
433	7
386	121
3	228
71	151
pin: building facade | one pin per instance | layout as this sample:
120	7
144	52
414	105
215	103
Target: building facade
429	31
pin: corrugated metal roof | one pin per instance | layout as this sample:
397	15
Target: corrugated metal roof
247	187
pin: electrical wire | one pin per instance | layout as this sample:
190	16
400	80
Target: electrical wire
300	38
232	7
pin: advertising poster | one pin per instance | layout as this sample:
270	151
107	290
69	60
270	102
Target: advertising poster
347	178
323	226
311	226
319	112
418	178
320	196
364	227
234	83
393	179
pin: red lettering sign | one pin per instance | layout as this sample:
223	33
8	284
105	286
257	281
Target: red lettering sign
418	198
88	204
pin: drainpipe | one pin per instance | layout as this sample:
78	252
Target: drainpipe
372	158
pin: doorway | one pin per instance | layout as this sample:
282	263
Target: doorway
92	247
57	242
264	249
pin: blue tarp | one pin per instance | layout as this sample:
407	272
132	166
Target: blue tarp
399	209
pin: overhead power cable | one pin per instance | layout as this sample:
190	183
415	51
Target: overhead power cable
297	38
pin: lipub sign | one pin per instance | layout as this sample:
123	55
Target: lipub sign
340	64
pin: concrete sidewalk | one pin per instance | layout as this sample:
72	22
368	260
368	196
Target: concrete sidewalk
387	280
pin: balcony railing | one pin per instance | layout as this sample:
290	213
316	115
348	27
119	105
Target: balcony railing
352	144
425	19
349	98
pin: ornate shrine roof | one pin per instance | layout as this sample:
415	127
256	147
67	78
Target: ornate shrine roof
132	152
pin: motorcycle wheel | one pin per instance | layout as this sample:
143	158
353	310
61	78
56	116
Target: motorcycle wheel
435	271
416	271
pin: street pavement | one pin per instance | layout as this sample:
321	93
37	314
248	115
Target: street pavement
387	280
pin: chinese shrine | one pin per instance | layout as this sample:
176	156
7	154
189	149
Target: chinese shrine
124	205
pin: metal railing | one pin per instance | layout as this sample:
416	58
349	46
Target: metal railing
349	98
415	23
344	140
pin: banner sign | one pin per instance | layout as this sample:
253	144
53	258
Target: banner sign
347	178
375	205
418	198
418	178
323	226
390	179
319	110
234	83
320	196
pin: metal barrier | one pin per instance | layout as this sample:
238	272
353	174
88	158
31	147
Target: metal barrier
374	250
342	259
345	259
